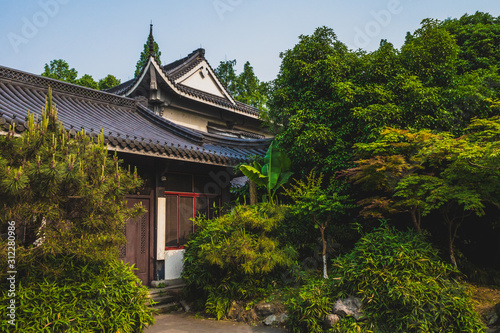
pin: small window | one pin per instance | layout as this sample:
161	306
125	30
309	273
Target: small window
181	208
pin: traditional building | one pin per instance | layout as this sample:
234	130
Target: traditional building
176	123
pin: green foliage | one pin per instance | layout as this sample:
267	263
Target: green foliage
308	306
59	69
327	98
421	172
64	187
244	87
66	194
312	202
273	174
235	256
87	81
108	82
404	286
315	205
430	53
311	102
478	36
144	57
83	297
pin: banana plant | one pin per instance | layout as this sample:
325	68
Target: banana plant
273	174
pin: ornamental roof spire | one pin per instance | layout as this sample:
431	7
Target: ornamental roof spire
151	41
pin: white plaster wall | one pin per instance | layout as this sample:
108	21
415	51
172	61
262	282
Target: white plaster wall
173	264
186	119
204	83
161	228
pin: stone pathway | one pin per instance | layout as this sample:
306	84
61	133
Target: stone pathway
181	322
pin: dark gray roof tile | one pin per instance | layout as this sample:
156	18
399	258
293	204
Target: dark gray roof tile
128	126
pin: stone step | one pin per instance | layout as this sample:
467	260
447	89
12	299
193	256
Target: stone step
164	291
164	299
164	308
158	284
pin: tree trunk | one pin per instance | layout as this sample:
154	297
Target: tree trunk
253	192
452	234
322	229
416	217
450	244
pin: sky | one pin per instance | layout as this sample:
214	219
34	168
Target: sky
101	37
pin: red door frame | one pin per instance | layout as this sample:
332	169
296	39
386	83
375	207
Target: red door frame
189	195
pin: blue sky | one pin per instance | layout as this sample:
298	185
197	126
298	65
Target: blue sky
106	37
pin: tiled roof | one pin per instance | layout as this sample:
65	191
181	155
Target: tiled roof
127	125
177	69
182	66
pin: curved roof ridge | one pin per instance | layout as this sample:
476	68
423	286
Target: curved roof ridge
184	65
175	65
64	87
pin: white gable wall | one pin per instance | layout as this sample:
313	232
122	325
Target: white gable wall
203	80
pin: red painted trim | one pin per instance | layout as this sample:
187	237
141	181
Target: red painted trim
175	247
178	219
187	195
192	195
194	210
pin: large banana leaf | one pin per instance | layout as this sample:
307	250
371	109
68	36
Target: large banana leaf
254	175
272	166
273	174
283	179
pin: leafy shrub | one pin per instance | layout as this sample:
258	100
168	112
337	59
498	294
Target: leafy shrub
235	257
404	286
101	296
308	306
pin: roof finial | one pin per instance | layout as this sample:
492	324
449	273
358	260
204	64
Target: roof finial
151	40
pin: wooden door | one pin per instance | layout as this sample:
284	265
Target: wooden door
138	251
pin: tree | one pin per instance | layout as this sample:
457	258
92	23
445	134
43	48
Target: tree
478	37
422	172
144	57
312	203
87	81
310	107
59	69
65	187
244	87
430	53
227	75
65	196
108	82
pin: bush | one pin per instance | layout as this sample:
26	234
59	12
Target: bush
102	296
308	306
404	286
235	257
65	194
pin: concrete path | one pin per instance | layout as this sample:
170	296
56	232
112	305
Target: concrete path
182	322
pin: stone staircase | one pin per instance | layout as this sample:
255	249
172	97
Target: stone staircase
166	295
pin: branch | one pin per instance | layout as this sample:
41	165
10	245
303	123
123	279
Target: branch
482	166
